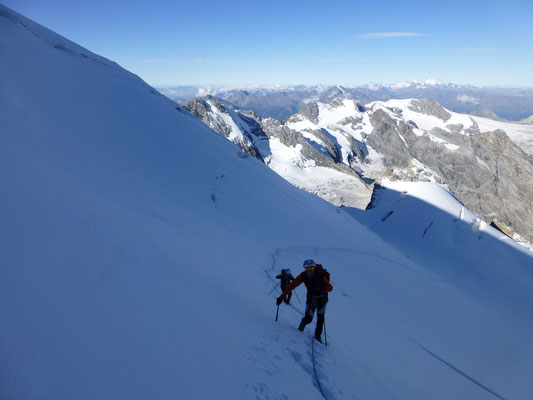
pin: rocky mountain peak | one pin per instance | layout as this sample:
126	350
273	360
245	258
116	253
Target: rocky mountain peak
486	113
528	120
197	106
311	111
429	107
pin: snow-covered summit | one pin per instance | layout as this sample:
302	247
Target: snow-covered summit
401	85
426	84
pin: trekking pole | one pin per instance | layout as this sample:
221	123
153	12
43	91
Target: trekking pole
274	288
297	297
325	335
277	312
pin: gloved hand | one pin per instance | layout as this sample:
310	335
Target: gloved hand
279	300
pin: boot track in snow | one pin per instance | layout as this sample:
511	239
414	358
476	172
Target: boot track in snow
314	368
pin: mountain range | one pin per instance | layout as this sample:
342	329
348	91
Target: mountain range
338	149
281	102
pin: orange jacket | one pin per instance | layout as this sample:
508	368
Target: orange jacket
298	281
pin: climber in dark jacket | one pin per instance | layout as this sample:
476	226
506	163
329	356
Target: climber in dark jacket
286	278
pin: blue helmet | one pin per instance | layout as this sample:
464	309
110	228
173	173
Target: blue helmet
288	271
309	263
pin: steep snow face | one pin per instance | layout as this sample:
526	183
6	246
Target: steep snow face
136	244
134	268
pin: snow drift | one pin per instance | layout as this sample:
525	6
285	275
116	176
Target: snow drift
138	249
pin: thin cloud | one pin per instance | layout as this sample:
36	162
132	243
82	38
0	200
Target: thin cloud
384	35
154	60
202	60
330	60
480	49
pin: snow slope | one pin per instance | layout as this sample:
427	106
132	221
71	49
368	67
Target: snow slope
138	249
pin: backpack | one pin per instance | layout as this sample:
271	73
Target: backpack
322	270
311	284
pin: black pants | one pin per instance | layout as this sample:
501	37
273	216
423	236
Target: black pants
317	304
289	296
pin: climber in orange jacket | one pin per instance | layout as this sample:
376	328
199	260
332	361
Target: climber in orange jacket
316	280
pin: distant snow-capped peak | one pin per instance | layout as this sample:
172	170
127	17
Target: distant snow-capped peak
413	83
428	83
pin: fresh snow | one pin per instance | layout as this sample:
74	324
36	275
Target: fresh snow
423	121
138	250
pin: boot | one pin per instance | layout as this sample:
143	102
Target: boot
319	325
305	321
317	338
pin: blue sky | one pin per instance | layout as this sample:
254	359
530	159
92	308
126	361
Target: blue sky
301	42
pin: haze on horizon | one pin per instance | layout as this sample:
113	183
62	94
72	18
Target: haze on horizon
487	43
